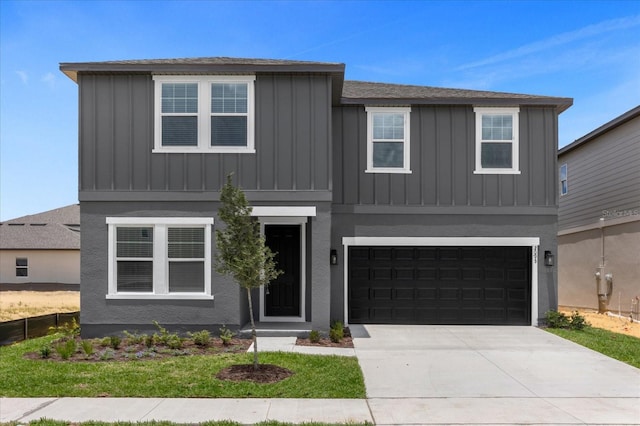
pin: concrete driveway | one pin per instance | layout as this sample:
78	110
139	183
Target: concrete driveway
477	374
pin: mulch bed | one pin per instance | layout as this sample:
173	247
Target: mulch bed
347	342
266	373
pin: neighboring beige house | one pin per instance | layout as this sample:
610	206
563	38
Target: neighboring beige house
41	250
599	217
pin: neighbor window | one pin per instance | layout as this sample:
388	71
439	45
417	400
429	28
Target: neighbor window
22	267
564	188
497	140
388	144
204	114
159	257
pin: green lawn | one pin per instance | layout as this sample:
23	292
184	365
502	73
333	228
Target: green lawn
315	376
619	346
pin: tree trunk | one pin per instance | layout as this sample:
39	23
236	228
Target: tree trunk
253	332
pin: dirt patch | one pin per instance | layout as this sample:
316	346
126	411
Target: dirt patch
266	373
24	304
606	321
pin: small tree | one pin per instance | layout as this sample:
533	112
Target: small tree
242	252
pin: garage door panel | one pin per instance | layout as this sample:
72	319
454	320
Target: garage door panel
440	285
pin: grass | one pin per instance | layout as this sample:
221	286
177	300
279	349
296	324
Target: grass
618	346
48	422
316	376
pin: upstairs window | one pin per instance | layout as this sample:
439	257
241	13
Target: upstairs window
388	143
22	267
564	188
204	114
497	146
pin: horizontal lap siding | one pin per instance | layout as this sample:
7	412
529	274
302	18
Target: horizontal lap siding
293	126
603	174
443	162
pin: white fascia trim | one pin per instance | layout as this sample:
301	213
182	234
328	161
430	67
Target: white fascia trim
287	211
533	242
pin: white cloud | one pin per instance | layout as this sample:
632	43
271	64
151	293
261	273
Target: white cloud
23	76
558	40
49	79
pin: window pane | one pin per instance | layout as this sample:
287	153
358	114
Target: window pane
179	131
564	187
134	242
186	277
186	243
563	172
21	261
228	98
22	272
496	155
135	276
228	131
179	97
388	154
388	126
497	127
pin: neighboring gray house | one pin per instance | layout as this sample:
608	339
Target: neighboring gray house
41	251
599	216
386	203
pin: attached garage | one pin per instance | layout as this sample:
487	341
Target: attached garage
440	284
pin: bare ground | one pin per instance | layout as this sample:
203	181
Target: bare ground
24	304
606	321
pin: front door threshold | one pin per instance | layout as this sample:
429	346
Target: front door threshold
277	329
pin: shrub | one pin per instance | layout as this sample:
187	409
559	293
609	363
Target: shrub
45	352
134	338
105	342
225	335
336	332
174	341
114	342
68	329
149	341
87	347
559	320
314	336
66	349
201	338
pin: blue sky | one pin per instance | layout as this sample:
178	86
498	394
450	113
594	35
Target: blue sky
586	50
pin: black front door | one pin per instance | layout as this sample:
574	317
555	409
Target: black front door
282	296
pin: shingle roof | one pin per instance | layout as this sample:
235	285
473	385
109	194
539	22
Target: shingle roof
358	92
57	229
200	65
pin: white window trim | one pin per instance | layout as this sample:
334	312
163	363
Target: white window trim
566	178
533	242
515	142
287	215
407	139
204	113
160	256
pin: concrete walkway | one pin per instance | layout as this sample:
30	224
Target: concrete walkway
413	375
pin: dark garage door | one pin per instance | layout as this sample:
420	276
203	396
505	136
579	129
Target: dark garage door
440	285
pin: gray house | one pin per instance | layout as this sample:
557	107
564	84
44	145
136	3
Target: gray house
599	217
386	203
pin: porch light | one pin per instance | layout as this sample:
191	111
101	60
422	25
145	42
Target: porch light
333	258
549	258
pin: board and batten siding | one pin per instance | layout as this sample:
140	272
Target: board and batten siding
443	162
293	131
603	176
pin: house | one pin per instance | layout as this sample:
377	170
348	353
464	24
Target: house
41	251
599	217
385	203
